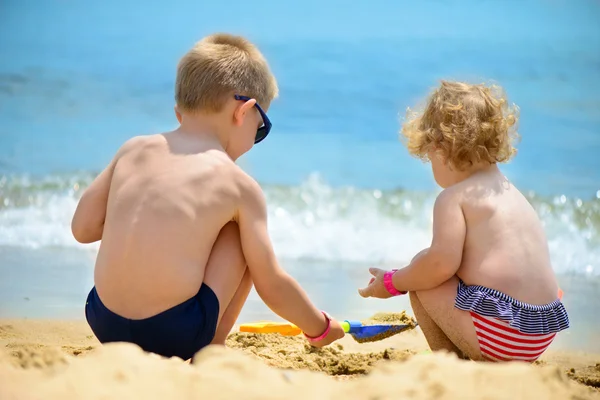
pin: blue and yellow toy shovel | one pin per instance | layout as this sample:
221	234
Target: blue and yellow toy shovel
372	333
359	332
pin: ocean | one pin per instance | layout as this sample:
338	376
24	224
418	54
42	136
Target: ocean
79	78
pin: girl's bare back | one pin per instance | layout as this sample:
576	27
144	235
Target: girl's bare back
505	245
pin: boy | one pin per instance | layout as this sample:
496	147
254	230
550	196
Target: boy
485	287
183	228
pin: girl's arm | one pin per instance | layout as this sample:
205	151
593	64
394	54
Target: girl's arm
435	265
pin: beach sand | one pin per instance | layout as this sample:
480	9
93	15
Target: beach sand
49	359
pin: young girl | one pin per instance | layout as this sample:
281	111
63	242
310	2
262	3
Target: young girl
485	288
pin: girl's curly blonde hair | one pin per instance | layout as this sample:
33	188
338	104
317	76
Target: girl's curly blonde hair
465	124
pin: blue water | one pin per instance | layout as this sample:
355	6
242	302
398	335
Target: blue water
79	78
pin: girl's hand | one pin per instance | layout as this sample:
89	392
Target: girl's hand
376	287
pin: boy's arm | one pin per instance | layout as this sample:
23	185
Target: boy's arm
438	263
88	221
279	290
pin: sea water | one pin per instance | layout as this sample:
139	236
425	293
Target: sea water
79	78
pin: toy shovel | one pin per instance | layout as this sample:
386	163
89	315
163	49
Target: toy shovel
372	333
359	332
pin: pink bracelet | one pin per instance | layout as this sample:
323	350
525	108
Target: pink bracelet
324	334
389	285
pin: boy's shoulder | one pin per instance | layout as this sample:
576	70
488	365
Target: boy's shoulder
249	192
247	183
226	166
136	142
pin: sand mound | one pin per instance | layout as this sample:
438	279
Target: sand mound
123	371
294	352
62	360
34	356
388	318
589	375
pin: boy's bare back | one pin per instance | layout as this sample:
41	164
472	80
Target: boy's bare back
170	196
183	229
505	245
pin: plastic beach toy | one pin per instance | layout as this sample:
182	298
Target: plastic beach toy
283	328
359	332
372	333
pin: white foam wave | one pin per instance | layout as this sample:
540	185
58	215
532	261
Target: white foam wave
45	225
315	221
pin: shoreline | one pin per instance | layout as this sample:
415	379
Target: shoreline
53	284
66	361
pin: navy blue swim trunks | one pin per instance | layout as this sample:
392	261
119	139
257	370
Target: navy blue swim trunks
180	331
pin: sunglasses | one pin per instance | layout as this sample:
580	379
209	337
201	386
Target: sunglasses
263	131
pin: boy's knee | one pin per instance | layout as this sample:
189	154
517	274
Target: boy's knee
247	275
228	245
230	232
231	228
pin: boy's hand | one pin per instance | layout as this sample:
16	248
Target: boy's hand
376	287
335	332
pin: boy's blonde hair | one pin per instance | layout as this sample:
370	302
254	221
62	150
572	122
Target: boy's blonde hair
219	66
464	124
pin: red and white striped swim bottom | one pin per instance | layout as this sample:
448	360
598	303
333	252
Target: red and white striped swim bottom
498	341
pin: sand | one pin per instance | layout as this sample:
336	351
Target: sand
387	318
294	352
62	360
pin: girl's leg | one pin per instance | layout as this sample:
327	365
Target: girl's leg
445	326
436	338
